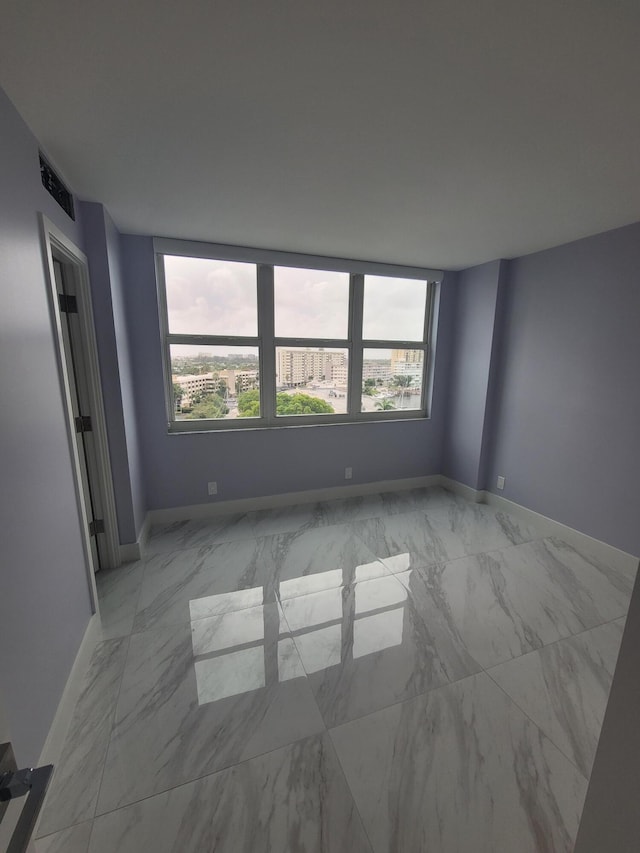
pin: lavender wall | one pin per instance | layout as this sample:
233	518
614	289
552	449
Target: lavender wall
102	244
128	392
474	344
262	462
44	599
567	412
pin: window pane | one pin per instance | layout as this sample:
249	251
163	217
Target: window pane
311	303
394	308
311	380
392	379
217	383
206	297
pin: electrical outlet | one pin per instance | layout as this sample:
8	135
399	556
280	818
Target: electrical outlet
500	483
348	473
213	488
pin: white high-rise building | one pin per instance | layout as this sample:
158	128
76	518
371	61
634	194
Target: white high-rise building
298	366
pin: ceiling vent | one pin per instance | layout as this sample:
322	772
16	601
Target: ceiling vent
54	186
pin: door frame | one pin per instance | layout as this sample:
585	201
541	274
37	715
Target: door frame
56	243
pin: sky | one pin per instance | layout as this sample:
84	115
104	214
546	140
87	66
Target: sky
210	297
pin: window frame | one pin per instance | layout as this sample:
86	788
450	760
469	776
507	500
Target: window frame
266	342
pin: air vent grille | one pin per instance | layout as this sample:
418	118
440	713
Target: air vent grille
54	186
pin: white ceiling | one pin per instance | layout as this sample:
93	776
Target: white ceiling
431	133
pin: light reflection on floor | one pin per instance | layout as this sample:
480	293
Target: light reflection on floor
326	617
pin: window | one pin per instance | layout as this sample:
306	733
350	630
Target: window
255	339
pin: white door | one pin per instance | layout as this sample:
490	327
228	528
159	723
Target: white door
83	419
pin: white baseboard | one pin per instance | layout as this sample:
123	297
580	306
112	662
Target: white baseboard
627	563
57	733
182	513
473	495
130	552
133	551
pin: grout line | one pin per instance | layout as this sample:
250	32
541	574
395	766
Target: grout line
349	789
113	722
304	669
515	704
564	639
316	736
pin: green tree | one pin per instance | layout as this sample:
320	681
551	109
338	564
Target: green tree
369	387
249	404
286	404
301	404
177	397
385	405
209	406
402	382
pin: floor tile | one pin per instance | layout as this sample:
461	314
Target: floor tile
73	791
118	595
404	541
75	839
321	558
267	522
417	500
208	580
365	646
596	592
293	799
564	688
460	769
231	528
192	533
474	528
357	508
201	697
345	510
183	585
446	531
497	614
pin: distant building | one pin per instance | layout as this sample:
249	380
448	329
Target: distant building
298	366
239	381
195	385
376	368
407	362
340	373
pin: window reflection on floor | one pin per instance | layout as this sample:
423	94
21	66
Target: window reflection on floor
241	644
229	674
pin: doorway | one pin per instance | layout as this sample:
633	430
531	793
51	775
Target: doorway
73	321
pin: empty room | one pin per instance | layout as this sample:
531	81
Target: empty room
319	362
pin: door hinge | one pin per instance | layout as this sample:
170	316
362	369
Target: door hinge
83	423
68	303
96	526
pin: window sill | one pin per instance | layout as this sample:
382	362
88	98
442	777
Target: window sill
204	426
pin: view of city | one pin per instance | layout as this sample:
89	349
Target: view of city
310	380
217	299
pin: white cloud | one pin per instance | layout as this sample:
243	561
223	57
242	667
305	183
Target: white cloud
209	297
311	303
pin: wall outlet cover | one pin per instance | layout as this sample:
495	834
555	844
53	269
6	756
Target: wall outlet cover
213	488
500	483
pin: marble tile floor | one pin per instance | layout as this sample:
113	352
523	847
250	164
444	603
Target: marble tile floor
399	672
